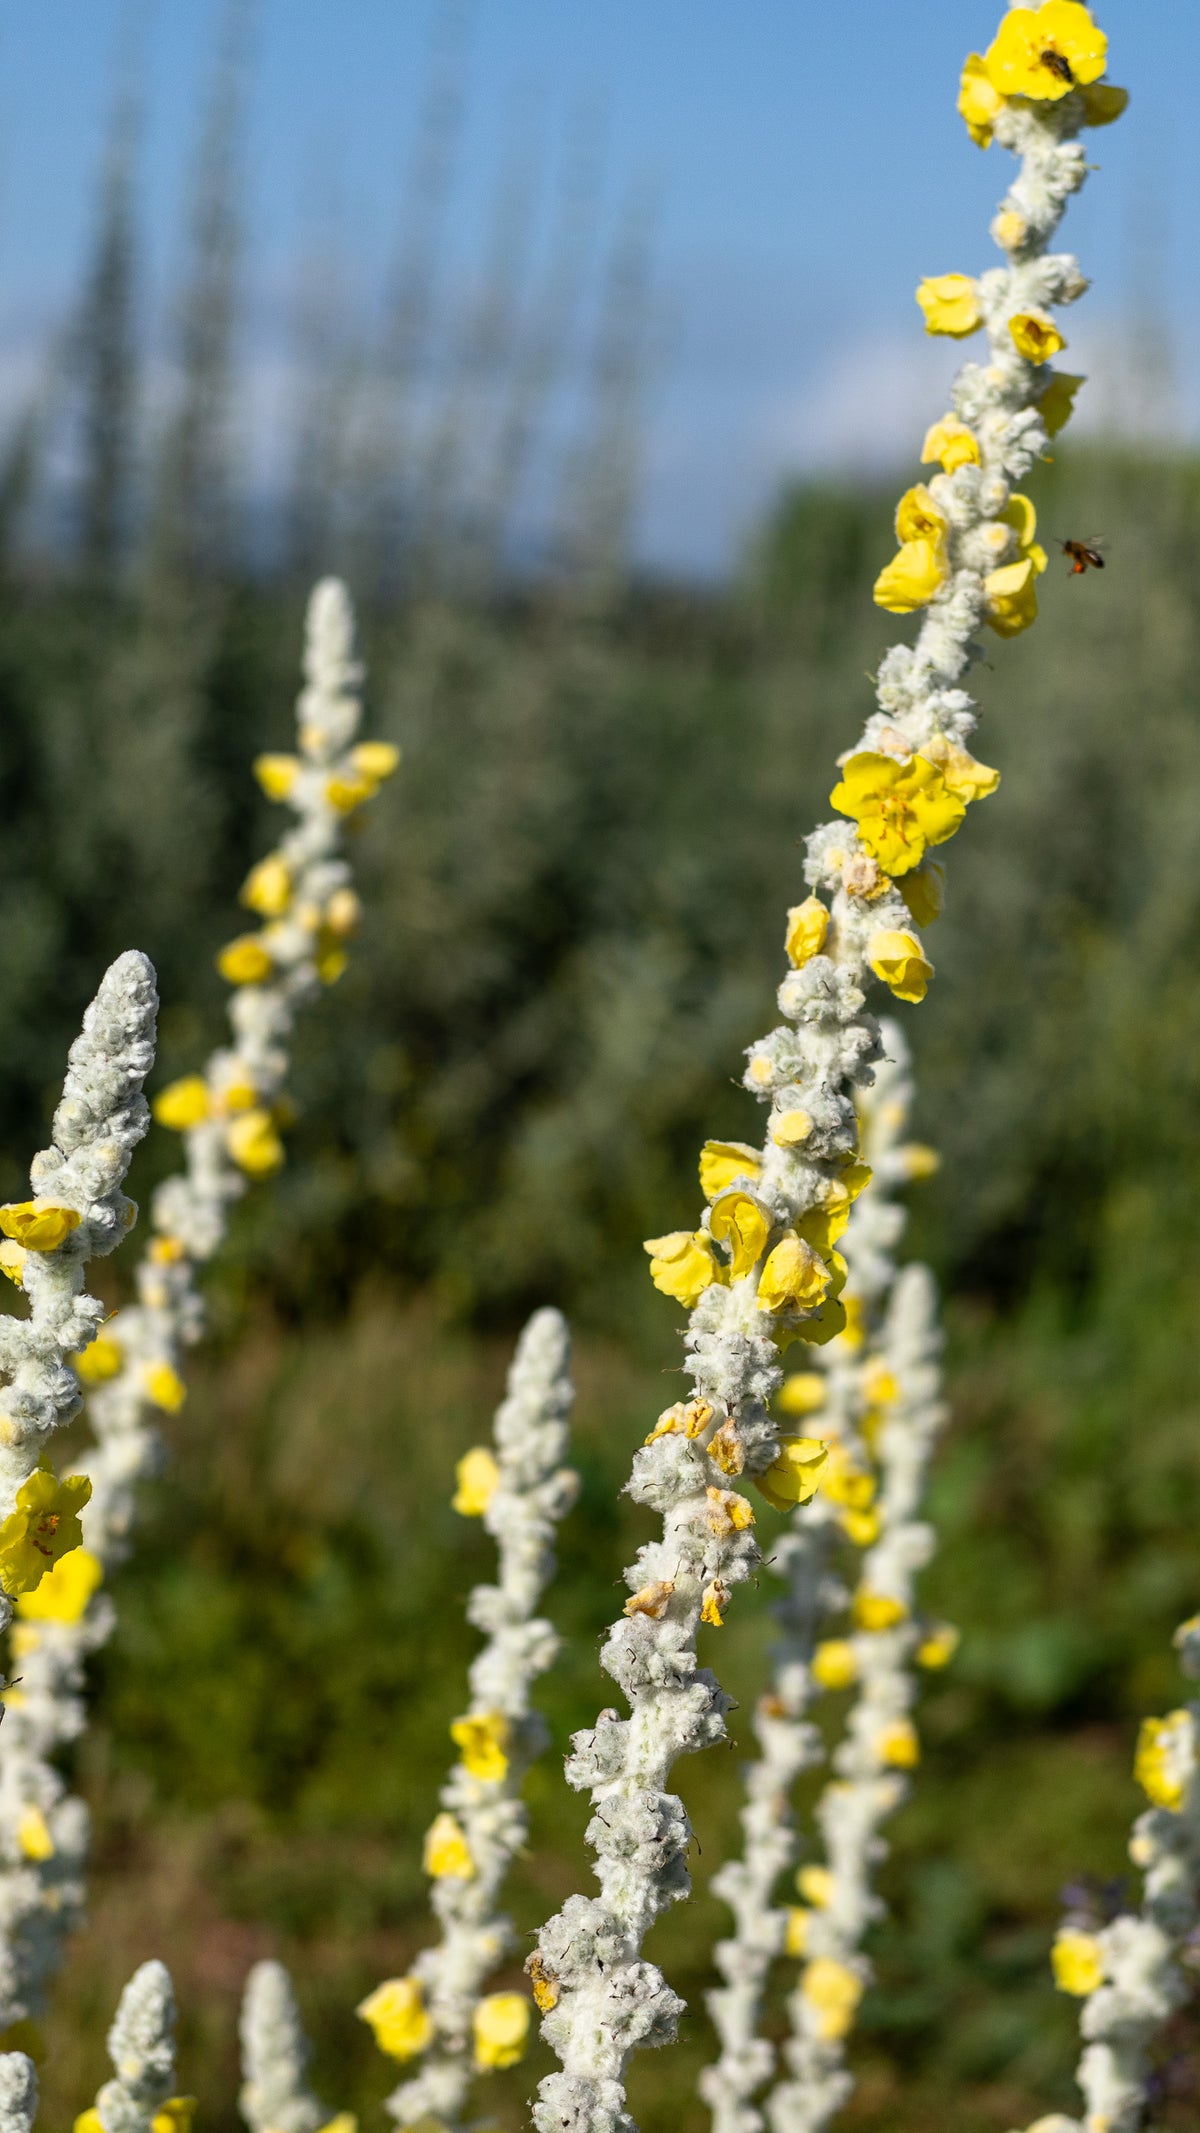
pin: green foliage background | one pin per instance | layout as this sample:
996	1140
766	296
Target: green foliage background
574	896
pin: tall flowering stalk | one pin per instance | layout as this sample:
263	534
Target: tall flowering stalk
141	2045
440	2013
762	1267
861	1392
275	2095
229	1117
1127	1969
77	1212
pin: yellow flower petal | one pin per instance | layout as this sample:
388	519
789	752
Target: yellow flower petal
816	1885
164	1387
795	1473
897	958
925	892
100	1360
1035	336
834	1664
950	303
375	759
682	1264
277	774
396	2013
38	1225
795	1277
254	1143
964	776
245	961
739	1222
34	1840
500	2025
483	1743
1103	102
1011	595
267	888
789	1129
446	1853
938	1646
1077	1960
182	1103
978	100
804	1392
918	517
877	1610
478	1478
901	808
1058	401
795	1935
1165	1759
833	1993
807	926
898	1746
174	2116
65	1590
42	1527
912	579
721	1162
951	442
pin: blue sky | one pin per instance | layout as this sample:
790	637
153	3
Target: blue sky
805	160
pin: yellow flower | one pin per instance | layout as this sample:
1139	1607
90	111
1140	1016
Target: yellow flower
1163	1764
834	1665
795	1934
833	1992
345	794
877	1610
918	517
478	1478
277	774
727	1512
343	912
501	2028
1011	594
1020	514
375	760
978	100
34	1840
182	1103
846	1483
951	442
42	1528
950	303
790	1128
807	926
1103	102
795	1473
900	808
815	1884
1035	336
1010	230
879	1383
176	2115
100	1360
795	1278
925	892
653	1600
164	1387
739	1222
65	1591
862	1528
267	888
714	1601
447	1853
912	578
1077	1960
898	1745
38	1225
12	1261
897	958
483	1745
396	2013
803	1393
254	1143
1057	403
723	1161
245	961
330	957
938	1646
1046	52
682	1264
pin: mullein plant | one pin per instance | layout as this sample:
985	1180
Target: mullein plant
761	1269
877	1408
76	1212
440	2014
1127	1965
230	1118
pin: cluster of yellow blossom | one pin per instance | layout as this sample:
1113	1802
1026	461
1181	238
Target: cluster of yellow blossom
1043	53
41	1529
403	2028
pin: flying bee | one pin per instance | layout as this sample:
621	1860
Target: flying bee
1085	555
1058	66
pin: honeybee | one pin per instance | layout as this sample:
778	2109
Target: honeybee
1058	65
1085	555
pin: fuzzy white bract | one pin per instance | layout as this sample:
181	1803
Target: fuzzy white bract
441	2012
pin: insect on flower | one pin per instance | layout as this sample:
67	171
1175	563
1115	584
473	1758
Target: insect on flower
1085	555
1057	65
